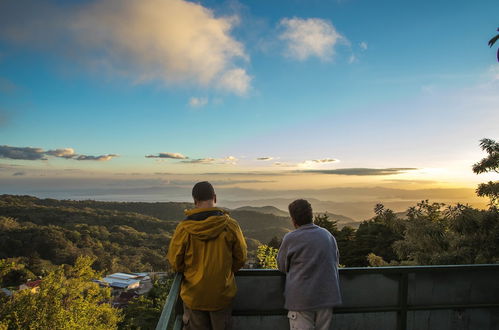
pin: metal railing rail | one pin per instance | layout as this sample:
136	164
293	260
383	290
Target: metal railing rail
171	313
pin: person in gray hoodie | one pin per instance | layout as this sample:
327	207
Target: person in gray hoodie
309	258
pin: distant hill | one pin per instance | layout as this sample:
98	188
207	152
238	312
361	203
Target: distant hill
56	232
264	209
342	220
160	210
262	226
123	236
355	211
260	223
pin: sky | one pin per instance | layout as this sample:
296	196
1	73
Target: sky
138	100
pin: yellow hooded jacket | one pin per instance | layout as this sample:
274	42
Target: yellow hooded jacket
208	247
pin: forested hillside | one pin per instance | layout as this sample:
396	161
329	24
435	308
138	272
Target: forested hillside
125	237
44	232
122	236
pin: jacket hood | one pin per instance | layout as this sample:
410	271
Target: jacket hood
208	228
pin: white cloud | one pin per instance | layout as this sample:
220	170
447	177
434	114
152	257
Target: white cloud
101	158
63	153
230	160
284	164
325	160
317	163
200	161
172	41
236	80
168	155
363	45
309	37
198	102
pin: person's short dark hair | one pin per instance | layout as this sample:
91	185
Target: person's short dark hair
203	191
301	212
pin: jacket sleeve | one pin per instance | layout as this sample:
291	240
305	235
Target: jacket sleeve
239	249
282	256
176	249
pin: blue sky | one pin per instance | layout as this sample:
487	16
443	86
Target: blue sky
357	84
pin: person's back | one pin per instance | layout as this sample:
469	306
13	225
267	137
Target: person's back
309	257
208	247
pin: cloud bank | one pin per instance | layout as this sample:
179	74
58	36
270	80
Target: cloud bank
172	41
31	153
310	37
364	171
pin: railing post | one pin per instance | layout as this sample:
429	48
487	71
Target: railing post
168	315
403	294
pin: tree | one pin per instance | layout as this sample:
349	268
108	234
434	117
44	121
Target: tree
67	299
322	220
144	312
376	261
493	41
13	273
489	164
275	242
427	238
267	257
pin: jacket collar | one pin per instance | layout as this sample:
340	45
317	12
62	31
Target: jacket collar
306	226
199	214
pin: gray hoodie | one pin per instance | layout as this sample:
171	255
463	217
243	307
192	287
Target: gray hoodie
309	257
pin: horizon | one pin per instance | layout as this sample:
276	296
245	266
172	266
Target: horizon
261	100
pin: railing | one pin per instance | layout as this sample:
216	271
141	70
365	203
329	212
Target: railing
423	297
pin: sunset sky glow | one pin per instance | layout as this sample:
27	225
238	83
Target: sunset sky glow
103	95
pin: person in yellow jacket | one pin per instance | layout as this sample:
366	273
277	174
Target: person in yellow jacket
208	247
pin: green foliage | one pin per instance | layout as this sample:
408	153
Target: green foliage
376	261
489	164
66	299
493	41
144	311
42	233
432	233
13	273
426	239
490	190
267	257
322	220
275	242
375	236
452	235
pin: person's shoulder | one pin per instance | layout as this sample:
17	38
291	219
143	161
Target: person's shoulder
231	222
180	226
322	230
290	235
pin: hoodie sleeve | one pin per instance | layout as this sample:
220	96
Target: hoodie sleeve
239	249
176	250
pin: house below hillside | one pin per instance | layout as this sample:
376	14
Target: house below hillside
126	286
